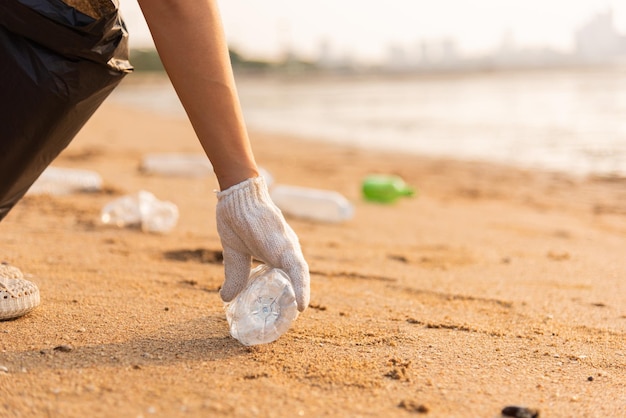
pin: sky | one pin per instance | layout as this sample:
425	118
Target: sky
365	29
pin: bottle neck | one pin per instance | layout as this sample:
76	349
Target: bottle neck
407	191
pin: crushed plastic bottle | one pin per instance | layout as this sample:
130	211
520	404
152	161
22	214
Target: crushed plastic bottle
142	210
177	164
265	309
62	181
313	204
385	188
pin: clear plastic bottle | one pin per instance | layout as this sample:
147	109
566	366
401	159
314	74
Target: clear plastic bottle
313	204
265	309
142	210
385	188
185	165
177	164
62	181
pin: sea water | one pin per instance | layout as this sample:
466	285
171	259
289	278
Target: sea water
571	121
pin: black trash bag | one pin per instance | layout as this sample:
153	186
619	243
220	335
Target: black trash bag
57	66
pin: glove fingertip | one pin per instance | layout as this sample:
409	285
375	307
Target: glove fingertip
229	291
300	279
236	270
302	301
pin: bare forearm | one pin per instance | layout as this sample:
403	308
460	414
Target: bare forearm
190	40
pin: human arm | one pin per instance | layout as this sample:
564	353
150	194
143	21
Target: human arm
189	37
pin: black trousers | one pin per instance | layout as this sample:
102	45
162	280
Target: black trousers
57	66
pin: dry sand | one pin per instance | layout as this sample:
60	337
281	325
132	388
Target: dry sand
493	287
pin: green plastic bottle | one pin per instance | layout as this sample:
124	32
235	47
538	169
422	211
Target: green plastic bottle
385	188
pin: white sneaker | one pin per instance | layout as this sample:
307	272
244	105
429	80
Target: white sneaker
18	296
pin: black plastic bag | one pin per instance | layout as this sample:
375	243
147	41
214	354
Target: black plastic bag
57	66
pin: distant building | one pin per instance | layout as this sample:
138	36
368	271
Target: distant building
442	53
439	54
325	58
397	58
599	40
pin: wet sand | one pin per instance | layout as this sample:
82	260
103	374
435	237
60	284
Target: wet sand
494	286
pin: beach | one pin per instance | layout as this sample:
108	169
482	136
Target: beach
494	286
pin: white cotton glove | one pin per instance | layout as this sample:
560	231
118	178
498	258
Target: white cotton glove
251	225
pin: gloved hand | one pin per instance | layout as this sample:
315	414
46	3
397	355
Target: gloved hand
251	225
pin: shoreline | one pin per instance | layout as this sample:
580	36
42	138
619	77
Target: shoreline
372	116
494	286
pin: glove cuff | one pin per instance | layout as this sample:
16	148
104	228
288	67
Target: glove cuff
244	201
252	186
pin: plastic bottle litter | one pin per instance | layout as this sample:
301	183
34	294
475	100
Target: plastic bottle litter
265	309
385	188
142	210
313	204
185	165
62	181
177	164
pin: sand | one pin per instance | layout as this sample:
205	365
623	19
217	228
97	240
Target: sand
493	287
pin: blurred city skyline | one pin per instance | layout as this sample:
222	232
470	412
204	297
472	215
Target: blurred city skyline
405	33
